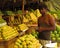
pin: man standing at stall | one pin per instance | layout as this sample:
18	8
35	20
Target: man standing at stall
46	24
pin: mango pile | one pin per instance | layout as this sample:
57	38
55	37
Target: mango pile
27	41
55	35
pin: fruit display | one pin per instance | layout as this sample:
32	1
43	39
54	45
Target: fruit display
55	35
27	41
32	16
8	32
16	17
29	16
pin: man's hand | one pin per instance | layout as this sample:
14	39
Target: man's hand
40	29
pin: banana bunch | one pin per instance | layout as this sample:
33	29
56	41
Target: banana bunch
33	17
25	19
16	21
27	41
37	13
23	27
27	15
8	32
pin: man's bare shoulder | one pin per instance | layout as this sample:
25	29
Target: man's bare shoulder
40	17
50	16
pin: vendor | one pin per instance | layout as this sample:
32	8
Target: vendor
46	24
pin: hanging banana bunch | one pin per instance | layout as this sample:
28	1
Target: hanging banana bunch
14	1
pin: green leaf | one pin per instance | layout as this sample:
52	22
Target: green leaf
2	21
19	12
9	13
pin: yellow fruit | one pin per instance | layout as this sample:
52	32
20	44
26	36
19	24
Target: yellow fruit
22	39
23	27
38	13
17	43
15	46
28	17
33	17
18	40
25	19
29	41
8	32
25	46
11	36
55	16
24	43
20	46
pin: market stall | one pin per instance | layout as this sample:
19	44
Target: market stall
20	30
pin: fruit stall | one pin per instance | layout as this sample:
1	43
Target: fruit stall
18	23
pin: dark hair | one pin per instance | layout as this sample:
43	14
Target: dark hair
42	5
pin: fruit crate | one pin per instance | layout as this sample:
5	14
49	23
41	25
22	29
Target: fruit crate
7	44
12	20
58	44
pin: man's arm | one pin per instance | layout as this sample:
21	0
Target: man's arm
52	23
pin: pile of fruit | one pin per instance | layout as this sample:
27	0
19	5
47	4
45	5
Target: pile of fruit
27	41
2	21
29	17
7	32
34	33
32	16
55	35
23	27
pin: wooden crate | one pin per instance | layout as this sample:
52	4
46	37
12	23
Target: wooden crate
11	20
7	44
58	44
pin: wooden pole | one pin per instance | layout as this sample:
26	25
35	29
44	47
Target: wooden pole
22	11
23	6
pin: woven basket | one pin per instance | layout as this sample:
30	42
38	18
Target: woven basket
7	44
